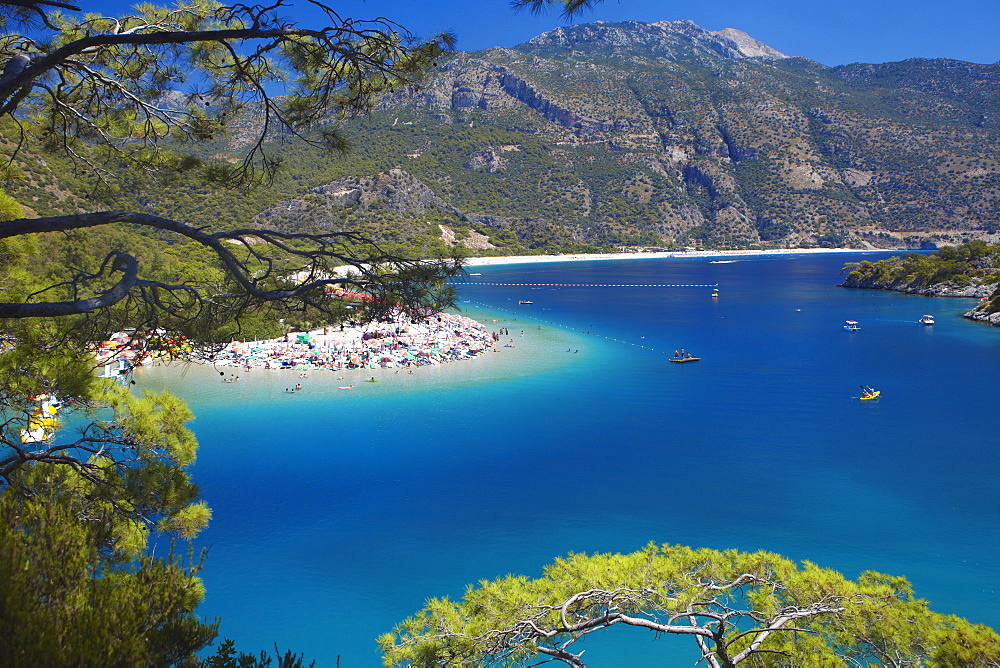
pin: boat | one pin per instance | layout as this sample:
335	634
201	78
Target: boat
926	319
524	301
852	326
44	421
868	396
715	292
685	359
475	274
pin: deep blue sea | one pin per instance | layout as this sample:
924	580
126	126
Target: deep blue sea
337	513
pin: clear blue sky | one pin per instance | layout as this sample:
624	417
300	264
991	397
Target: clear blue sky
832	32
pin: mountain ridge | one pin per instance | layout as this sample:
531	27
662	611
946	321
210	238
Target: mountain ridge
713	144
606	135
657	37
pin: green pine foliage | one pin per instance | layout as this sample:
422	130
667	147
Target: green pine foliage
70	606
759	608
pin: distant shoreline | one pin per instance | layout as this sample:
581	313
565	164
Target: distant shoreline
581	257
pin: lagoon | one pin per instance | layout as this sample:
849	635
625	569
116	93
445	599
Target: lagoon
337	513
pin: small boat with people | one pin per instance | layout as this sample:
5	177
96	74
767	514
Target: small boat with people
852	326
926	320
524	301
869	393
681	356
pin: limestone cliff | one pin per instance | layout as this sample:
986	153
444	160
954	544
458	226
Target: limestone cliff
988	310
967	289
674	134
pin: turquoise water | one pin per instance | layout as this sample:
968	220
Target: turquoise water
336	513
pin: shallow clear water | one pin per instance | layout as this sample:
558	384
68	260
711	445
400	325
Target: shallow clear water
336	513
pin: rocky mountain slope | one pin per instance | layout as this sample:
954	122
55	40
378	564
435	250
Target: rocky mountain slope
609	134
666	133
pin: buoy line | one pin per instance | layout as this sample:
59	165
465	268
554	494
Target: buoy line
590	285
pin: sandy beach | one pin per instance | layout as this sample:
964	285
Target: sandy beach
442	337
397	344
580	257
542	348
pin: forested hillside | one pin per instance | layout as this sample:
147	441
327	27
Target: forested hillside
603	135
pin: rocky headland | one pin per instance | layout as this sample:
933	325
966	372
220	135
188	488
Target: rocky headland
970	289
988	310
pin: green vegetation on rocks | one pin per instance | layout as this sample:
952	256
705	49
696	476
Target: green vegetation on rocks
591	137
974	263
969	270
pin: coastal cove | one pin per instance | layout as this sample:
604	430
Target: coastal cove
337	513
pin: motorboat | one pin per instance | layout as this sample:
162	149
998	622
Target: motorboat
852	326
926	320
524	301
